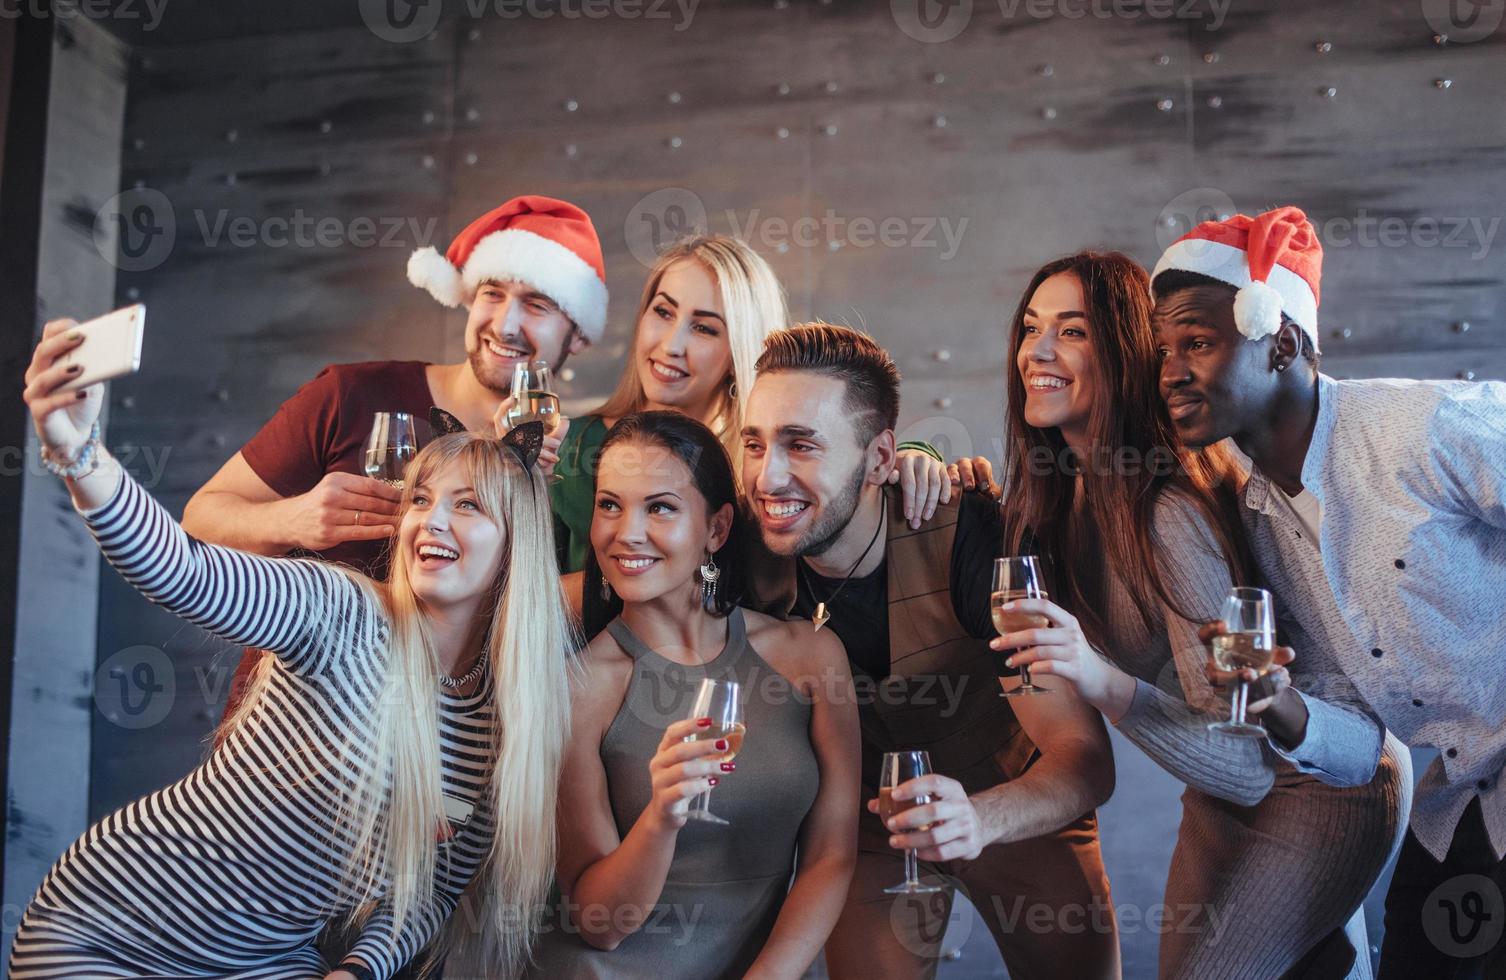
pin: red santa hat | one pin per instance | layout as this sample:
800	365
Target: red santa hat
1273	259
545	243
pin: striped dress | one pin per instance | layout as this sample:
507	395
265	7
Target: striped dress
233	870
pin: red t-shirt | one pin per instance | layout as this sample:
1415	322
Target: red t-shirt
323	428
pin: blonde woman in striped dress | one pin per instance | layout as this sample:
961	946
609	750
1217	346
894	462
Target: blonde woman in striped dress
367	775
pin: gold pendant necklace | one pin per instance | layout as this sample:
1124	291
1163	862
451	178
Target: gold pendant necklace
822	615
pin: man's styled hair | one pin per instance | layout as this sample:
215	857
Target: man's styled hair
1176	280
865	369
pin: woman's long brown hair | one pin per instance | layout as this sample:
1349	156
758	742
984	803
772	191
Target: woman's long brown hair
1104	523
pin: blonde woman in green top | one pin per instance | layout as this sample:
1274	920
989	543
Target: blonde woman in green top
706	308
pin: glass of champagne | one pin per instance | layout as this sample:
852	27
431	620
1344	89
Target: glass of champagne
1248	643
721	701
390	446
533	397
897	768
1017	578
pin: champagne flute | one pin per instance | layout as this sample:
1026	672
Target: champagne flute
897	768
390	446
1248	643
721	701
533	397
1017	578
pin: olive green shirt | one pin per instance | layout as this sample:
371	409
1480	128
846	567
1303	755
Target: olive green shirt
572	493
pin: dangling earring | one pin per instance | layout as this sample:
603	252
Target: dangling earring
606	590
732	388
709	575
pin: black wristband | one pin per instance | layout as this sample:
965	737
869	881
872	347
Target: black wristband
358	970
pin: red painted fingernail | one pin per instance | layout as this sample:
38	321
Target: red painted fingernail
728	766
703	723
82	395
712	780
721	744
75	368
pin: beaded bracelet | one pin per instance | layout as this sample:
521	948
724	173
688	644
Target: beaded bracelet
86	462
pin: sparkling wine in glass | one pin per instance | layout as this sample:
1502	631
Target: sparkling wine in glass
533	397
1248	643
391	445
1017	578
895	769
721	701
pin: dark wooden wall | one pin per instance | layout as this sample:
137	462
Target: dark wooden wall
1025	136
72	82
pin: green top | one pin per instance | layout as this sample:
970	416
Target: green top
572	491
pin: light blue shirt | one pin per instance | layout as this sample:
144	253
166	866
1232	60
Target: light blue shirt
1406	586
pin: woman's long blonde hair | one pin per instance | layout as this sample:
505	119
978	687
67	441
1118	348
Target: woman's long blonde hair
396	803
753	306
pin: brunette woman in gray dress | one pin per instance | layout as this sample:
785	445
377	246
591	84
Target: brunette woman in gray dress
1271	865
645	892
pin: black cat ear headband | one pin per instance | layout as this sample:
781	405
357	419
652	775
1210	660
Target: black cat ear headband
524	441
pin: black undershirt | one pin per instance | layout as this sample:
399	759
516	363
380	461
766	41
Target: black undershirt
860	612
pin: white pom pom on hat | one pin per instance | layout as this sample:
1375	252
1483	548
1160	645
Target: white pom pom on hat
429	270
1257	310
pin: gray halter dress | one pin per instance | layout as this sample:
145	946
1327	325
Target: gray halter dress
726	885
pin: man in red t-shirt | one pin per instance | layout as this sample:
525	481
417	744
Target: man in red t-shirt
531	272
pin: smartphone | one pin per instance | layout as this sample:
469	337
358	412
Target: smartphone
111	347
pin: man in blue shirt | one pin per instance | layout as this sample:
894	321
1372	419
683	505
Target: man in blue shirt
1377	510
